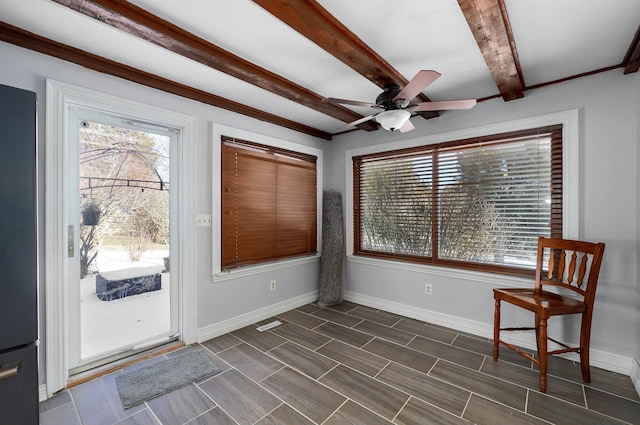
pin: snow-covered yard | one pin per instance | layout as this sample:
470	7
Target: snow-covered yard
109	326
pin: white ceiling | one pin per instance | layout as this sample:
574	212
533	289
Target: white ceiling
554	39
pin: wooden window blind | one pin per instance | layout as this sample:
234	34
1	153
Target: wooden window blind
269	203
477	203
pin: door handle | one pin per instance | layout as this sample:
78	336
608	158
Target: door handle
70	241
9	370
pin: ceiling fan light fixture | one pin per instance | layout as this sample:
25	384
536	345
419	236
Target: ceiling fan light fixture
393	119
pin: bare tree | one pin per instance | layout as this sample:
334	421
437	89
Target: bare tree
124	173
397	214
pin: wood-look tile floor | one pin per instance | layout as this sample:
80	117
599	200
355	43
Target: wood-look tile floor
350	364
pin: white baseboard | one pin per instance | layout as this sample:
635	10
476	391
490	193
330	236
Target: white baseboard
42	390
601	359
235	323
635	374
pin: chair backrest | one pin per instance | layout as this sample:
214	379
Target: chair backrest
573	265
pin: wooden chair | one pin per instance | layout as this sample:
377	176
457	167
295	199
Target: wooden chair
574	295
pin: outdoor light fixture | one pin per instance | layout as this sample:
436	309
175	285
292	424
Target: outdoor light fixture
393	119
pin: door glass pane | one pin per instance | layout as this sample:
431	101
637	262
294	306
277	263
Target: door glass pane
124	237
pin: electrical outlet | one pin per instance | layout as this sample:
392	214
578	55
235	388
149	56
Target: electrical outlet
428	289
203	220
272	285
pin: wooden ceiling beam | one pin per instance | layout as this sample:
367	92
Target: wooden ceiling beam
631	61
140	23
490	26
313	21
28	40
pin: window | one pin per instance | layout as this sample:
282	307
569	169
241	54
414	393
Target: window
477	203
269	203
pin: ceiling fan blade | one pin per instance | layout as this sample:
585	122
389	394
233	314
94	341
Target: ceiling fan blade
406	127
416	85
446	105
356	122
349	102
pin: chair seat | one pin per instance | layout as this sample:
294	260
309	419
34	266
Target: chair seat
543	303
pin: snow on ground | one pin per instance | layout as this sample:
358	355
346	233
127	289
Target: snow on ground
108	326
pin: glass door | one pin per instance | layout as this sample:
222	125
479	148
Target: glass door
121	296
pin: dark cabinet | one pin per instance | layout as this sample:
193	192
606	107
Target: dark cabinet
18	259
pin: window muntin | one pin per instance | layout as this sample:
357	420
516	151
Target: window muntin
269	203
476	203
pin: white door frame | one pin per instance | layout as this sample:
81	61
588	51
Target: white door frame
60	96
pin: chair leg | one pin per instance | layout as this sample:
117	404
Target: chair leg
537	329
584	365
542	352
496	331
585	336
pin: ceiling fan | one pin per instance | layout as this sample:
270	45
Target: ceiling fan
397	106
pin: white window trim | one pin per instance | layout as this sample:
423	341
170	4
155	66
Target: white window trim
570	176
217	131
60	97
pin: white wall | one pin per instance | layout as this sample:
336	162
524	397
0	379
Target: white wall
219	302
635	373
608	108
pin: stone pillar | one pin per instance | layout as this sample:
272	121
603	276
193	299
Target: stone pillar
331	264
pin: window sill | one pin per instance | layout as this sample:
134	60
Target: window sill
492	279
221	276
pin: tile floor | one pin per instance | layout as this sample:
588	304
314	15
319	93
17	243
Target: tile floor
350	364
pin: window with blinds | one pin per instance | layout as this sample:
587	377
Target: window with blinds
479	203
269	203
